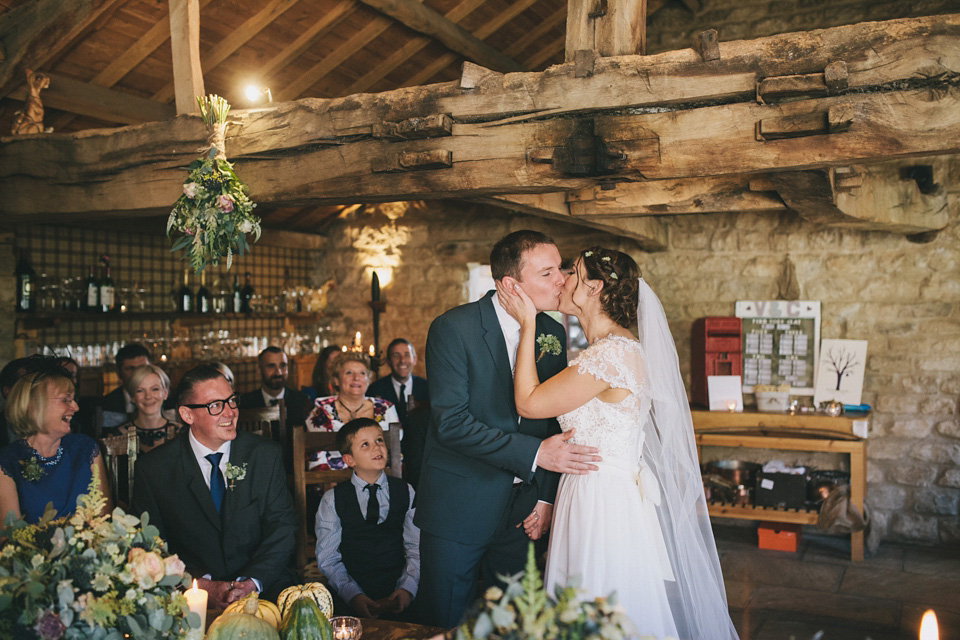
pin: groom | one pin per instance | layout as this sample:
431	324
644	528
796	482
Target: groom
489	478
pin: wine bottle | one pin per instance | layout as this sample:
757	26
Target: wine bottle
204	301
93	293
26	285
107	289
184	295
246	295
236	302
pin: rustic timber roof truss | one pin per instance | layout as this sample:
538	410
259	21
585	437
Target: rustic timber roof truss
855	126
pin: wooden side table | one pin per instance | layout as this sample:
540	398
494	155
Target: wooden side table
801	432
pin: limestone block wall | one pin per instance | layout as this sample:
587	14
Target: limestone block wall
902	297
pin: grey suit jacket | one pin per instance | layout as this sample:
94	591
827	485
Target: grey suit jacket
475	444
253	537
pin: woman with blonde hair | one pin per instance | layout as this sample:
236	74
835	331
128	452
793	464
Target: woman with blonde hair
148	387
351	375
47	463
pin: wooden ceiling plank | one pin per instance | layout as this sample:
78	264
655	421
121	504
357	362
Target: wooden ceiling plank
441	63
549	51
306	39
185	45
236	39
537	32
35	33
428	22
416	44
336	57
90	100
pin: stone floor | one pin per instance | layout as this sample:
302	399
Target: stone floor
776	595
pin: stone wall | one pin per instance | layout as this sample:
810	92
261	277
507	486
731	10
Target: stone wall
675	27
903	298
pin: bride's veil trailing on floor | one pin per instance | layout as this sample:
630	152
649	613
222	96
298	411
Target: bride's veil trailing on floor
697	598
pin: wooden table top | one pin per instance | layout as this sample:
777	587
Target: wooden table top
374	629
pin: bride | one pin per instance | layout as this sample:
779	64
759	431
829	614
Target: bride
638	526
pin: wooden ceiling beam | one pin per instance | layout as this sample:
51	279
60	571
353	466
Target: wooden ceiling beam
236	39
428	22
537	32
334	59
543	55
185	46
418	43
35	33
83	99
616	28
407	51
308	38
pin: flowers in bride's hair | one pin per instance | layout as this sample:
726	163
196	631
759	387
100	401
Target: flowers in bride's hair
235	473
31	469
614	276
587	254
605	258
548	343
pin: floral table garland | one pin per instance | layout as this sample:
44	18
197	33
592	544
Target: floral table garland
214	213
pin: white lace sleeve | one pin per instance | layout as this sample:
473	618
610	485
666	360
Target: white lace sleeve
617	361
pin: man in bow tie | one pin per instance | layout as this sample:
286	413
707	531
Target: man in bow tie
273	367
219	497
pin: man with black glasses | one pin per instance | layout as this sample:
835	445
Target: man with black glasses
218	497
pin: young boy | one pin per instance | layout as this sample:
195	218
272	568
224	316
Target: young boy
370	556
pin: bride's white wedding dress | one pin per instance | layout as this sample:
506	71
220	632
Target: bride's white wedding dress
614	529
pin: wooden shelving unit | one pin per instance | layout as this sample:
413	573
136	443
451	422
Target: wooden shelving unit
800	432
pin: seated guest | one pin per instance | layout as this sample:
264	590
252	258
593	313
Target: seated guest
320	381
367	544
148	387
47	463
11	372
405	390
352	374
411	396
273	367
219	497
118	404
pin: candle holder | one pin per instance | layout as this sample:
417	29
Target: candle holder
346	628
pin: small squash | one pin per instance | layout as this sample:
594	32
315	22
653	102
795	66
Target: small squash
242	625
313	590
305	621
265	609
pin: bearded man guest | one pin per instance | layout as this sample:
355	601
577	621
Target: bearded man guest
489	478
219	497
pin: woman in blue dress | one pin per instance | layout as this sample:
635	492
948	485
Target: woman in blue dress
48	463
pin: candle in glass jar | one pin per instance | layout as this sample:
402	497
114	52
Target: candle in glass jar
197	602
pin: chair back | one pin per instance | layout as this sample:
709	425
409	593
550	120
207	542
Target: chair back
309	441
261	420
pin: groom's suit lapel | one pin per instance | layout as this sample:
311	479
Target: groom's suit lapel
497	346
196	483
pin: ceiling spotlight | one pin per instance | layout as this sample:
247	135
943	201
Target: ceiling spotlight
256	94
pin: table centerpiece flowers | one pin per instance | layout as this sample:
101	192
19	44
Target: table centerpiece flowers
91	576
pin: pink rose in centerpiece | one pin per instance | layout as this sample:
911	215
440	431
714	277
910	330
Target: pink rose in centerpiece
225	203
146	566
190	189
173	566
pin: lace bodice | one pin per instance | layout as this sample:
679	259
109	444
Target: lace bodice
614	428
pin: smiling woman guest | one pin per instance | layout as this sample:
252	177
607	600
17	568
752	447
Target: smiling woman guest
352	376
148	387
48	463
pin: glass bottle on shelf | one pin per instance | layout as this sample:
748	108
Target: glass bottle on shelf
236	302
246	295
184	295
92	296
204	301
26	285
107	289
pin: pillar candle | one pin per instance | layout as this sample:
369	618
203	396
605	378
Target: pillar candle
197	602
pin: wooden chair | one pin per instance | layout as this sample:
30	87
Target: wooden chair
114	448
261	420
304	441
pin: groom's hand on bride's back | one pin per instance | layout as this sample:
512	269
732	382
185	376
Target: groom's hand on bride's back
556	454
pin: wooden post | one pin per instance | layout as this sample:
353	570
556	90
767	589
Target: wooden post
185	44
609	27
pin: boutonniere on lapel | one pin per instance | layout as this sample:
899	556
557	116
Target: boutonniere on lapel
548	343
235	473
31	469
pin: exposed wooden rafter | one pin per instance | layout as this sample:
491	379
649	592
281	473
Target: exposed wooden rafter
185	45
428	22
607	27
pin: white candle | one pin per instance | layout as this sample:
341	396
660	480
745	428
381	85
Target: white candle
372	352
928	626
197	602
357	341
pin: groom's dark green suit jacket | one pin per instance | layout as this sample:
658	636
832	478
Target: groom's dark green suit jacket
475	445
